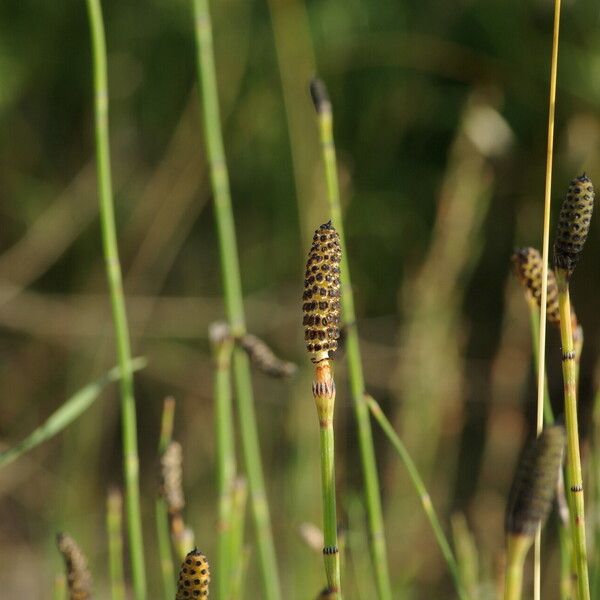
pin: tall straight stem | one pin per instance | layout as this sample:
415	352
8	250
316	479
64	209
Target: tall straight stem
115	284
233	295
114	527
225	461
357	383
419	486
574	475
545	251
161	513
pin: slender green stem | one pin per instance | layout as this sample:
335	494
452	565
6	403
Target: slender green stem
223	347
114	528
332	561
59	590
239	554
419	485
563	533
167	570
233	295
357	383
517	547
574	476
113	271
164	549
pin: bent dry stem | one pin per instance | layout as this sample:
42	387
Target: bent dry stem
233	296
357	383
115	284
574	475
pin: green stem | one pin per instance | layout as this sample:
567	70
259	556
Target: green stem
114	527
357	383
574	476
419	485
167	569
113	270
517	547
332	560
233	295
223	348
59	589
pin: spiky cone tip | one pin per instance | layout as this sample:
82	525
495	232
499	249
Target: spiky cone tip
573	224
319	96
194	577
534	484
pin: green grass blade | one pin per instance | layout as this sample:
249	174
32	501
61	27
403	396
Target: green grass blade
66	413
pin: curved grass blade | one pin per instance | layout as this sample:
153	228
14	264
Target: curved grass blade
66	413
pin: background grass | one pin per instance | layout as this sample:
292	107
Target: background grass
403	80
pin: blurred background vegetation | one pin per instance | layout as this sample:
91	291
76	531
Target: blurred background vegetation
440	115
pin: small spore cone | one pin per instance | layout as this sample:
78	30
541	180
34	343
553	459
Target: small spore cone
528	264
321	298
171	463
79	577
194	577
534	485
573	223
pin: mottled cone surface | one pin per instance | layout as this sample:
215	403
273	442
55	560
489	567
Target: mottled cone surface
262	357
534	485
528	268
78	574
194	577
573	223
172	478
321	299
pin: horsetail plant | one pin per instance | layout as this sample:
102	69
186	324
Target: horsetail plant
222	343
530	501
322	105
114	527
321	316
573	227
171	463
541	330
194	577
233	296
115	284
79	578
167	570
264	359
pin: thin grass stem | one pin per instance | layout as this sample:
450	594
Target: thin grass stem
115	284
357	383
545	252
419	486
574	475
167	569
233	295
114	528
223	345
517	547
59	589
